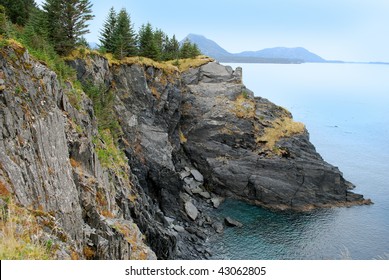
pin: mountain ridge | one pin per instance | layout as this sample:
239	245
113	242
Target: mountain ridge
267	55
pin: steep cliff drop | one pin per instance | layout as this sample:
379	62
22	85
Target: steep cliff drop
186	141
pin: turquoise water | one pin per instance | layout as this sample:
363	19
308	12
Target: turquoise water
346	110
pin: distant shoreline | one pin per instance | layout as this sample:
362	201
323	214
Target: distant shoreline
259	60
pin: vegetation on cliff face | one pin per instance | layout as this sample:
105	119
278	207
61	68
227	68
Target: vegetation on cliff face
45	113
22	236
280	128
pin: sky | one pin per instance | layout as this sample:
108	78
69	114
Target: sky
349	30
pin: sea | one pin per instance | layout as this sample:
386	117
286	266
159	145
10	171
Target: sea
345	108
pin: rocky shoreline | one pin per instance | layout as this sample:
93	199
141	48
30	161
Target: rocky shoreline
191	139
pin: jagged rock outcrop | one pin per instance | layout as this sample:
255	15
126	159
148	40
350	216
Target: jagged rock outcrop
249	148
190	140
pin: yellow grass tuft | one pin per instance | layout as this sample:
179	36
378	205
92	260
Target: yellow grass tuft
185	64
89	253
74	163
81	53
169	67
155	93
20	236
280	128
244	107
17	46
132	235
144	61
111	59
4	192
183	139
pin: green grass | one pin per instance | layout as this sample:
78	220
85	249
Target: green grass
109	154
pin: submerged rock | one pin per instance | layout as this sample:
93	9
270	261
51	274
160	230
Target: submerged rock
232	223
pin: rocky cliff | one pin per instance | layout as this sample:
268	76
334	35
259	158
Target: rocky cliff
251	149
186	141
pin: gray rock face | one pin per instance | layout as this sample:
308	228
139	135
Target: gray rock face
34	155
179	228
147	106
216	201
48	164
197	175
191	210
206	195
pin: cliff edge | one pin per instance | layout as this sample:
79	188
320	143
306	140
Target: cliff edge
184	141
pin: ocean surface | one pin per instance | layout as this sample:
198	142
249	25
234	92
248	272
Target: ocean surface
346	110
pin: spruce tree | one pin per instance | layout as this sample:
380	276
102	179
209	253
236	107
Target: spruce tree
107	33
194	51
172	48
185	49
67	22
36	30
3	22
18	11
54	10
147	44
124	39
189	50
160	43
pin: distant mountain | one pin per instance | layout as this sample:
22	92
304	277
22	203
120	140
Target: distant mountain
93	45
287	53
207	47
271	55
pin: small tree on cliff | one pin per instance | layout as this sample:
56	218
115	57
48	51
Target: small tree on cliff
36	31
189	50
148	46
124	38
3	22
107	36
172	49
